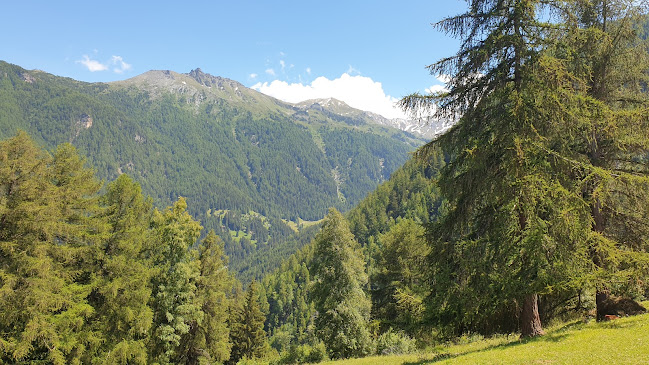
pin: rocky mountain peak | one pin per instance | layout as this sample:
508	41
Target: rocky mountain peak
208	80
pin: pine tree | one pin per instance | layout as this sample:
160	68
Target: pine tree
247	327
343	308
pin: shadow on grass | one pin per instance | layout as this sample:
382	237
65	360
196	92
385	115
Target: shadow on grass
555	336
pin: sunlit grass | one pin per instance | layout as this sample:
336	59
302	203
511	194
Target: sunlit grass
622	341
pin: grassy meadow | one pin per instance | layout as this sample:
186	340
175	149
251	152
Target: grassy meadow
622	341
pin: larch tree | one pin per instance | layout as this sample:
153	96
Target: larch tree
208	339
513	230
610	140
122	295
48	226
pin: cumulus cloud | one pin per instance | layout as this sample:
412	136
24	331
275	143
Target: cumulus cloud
92	65
270	71
253	76
357	91
117	64
308	70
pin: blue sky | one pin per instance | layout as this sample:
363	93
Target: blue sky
283	48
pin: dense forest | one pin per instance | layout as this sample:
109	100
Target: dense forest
533	207
224	147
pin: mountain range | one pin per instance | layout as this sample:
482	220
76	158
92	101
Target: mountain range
243	160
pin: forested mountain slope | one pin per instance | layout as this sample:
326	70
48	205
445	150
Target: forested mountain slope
226	148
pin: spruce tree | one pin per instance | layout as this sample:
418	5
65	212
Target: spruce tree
247	327
208	340
343	308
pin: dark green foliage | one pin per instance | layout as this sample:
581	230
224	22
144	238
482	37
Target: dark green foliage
343	308
400	284
247	327
208	339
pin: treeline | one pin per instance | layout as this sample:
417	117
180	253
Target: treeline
532	207
89	277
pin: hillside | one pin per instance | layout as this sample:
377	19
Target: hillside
622	341
219	144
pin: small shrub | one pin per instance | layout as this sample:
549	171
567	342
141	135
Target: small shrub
395	343
301	354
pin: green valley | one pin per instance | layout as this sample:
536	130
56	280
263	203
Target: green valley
211	140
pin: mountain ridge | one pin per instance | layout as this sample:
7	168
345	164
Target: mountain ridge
220	145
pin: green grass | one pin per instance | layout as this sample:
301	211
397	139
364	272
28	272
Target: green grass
622	341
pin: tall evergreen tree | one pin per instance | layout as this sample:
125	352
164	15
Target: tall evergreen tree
247	327
610	62
208	339
401	285
343	308
123	292
174	282
513	230
48	222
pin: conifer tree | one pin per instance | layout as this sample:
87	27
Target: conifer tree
247	327
401	285
343	308
610	146
47	225
123	292
174	282
513	229
208	340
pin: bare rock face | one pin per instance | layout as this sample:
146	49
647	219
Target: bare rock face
84	121
27	77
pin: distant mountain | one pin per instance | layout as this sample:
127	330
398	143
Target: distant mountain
224	147
422	129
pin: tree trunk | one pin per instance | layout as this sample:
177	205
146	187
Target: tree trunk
530	320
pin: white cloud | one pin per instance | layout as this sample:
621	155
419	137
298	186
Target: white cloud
116	62
92	65
253	76
308	70
270	71
351	70
443	79
283	64
120	65
357	91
